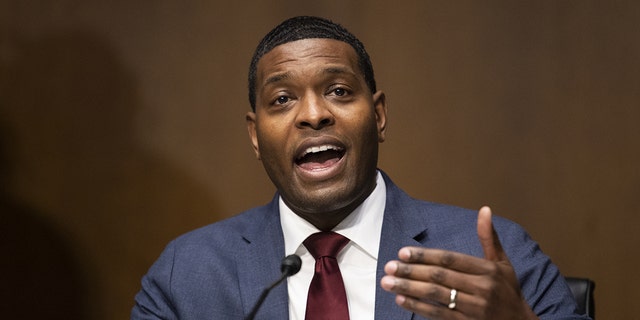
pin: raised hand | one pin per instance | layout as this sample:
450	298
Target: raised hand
424	280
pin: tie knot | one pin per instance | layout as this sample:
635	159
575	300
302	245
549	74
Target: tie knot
325	244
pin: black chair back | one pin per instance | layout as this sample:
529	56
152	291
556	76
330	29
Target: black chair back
582	289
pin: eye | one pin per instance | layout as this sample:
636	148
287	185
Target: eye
282	100
340	92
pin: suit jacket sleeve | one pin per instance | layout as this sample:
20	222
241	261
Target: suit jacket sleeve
543	286
154	299
218	271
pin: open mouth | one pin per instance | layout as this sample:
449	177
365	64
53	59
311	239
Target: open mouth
319	157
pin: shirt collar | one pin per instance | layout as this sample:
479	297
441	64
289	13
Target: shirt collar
363	226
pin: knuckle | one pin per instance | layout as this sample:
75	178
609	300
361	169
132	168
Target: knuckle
492	269
482	304
432	292
402	286
438	275
417	255
404	270
447	259
427	292
409	303
487	288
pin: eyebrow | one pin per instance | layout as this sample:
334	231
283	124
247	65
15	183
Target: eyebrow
286	75
277	78
338	70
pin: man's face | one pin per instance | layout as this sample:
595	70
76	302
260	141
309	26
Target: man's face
316	128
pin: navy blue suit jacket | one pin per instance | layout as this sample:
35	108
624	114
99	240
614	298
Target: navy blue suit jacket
219	271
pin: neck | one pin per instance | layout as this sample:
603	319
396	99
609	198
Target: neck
327	220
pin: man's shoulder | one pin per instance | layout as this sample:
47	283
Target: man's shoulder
435	212
441	220
228	231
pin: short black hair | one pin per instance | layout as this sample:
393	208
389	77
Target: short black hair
307	27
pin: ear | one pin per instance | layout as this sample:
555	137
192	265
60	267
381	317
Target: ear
251	127
380	108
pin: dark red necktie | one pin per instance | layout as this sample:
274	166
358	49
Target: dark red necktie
327	299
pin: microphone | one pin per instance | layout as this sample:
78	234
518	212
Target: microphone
290	265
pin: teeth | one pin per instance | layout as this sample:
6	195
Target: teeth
320	149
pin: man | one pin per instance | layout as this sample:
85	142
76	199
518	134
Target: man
315	124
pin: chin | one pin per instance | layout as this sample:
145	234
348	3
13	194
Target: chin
334	201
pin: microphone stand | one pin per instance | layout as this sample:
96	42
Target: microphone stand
290	265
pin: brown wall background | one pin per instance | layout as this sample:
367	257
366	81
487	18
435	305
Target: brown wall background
122	126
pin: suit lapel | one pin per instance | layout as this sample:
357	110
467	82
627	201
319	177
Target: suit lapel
259	264
259	261
400	228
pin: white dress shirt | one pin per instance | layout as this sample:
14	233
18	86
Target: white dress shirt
358	260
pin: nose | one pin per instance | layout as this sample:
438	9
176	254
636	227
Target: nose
314	113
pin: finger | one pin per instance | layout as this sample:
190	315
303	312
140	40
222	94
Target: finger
488	236
445	259
430	300
431	274
428	310
423	291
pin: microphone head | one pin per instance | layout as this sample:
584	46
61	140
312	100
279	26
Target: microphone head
291	264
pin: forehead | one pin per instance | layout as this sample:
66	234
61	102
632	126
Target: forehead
307	53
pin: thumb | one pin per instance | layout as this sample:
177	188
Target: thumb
488	237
